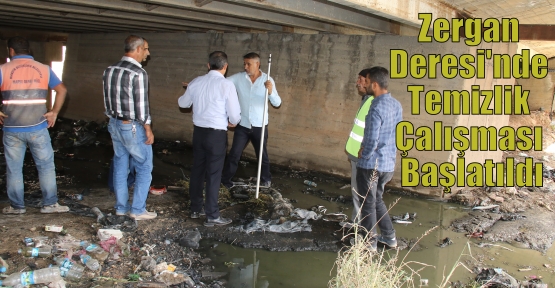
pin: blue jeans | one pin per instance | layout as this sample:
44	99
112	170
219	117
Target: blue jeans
130	177
130	144
15	144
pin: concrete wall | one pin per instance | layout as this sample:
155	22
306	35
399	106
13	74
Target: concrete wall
315	76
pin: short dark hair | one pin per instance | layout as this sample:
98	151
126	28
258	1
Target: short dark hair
132	42
379	75
19	45
364	72
217	60
252	55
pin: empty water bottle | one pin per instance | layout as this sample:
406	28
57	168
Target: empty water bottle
70	274
90	262
310	183
96	251
66	264
42	252
46	275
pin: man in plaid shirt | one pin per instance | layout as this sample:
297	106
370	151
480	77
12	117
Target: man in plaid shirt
377	157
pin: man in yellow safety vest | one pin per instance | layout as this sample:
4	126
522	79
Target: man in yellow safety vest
355	138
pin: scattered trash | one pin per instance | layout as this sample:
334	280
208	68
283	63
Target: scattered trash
43	252
77	197
120	222
105	234
485	207
496	276
90	262
53	228
445	242
335	217
402	222
28	241
524	269
423	282
476	235
42	276
158	190
406	218
310	183
345	186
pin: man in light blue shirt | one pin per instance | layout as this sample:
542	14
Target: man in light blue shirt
251	87
215	107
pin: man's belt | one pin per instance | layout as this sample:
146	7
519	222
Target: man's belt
123	118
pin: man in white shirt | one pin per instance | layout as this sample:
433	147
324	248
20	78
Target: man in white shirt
215	107
251	87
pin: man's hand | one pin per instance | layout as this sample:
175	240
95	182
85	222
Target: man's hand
2	116
185	84
268	85
231	125
51	118
149	135
360	152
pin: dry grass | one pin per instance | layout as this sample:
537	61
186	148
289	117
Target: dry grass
359	267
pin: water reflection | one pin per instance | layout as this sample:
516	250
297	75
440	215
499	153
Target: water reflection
246	276
259	268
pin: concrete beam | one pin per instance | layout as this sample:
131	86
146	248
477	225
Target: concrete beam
45	28
403	11
101	20
247	12
536	32
12	21
202	17
144	19
323	12
201	3
67	21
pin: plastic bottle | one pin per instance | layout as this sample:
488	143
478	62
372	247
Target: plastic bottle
46	275
310	183
66	264
90	262
3	269
72	274
42	252
96	251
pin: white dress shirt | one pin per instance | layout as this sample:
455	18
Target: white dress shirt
214	101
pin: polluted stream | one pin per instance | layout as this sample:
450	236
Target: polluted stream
84	170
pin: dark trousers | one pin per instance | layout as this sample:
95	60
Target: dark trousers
373	208
208	161
241	138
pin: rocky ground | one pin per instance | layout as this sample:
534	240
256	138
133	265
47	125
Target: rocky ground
523	216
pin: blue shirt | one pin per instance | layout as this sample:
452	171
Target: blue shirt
53	81
379	134
214	101
252	96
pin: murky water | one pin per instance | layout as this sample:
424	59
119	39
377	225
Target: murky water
258	268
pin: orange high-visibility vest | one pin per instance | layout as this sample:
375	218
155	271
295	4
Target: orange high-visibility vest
24	90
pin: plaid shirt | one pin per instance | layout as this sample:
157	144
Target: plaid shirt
126	91
379	134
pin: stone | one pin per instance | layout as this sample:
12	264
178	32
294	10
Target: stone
190	239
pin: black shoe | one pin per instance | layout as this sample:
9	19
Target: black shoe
196	215
220	221
391	242
266	184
